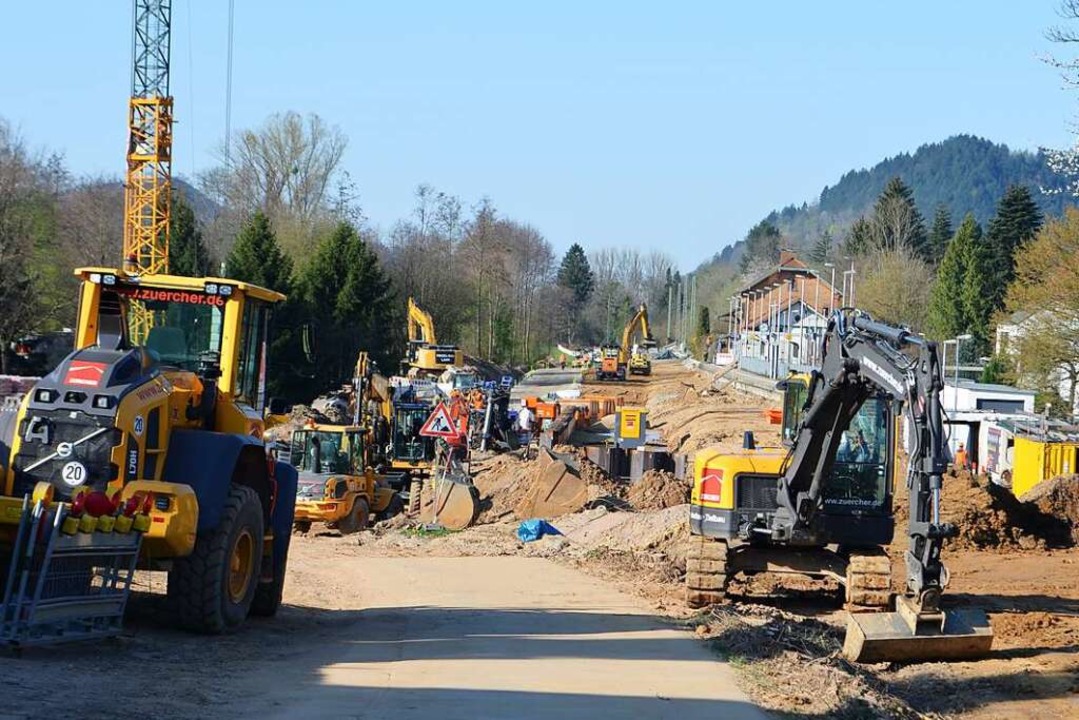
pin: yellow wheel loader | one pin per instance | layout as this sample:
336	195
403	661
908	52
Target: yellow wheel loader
822	504
163	399
335	487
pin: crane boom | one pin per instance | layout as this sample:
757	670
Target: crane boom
148	184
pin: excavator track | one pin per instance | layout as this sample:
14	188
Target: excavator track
706	572
869	580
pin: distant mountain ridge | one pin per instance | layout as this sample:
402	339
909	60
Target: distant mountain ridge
964	172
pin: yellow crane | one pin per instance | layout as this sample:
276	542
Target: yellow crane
148	183
425	355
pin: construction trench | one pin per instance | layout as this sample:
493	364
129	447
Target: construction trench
349	600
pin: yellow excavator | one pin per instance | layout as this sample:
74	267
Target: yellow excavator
821	505
635	355
616	361
425	357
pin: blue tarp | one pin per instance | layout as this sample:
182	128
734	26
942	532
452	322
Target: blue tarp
530	530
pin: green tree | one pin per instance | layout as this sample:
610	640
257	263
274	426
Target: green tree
575	274
948	313
859	237
1017	220
704	321
940	234
257	258
897	222
187	253
350	304
822	248
976	296
577	281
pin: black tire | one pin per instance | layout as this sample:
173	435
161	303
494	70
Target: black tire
302	526
206	595
396	506
268	595
357	519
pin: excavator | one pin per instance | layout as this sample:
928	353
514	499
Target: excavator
425	357
616	360
821	505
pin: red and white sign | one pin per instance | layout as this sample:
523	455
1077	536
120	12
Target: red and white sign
85	374
440	424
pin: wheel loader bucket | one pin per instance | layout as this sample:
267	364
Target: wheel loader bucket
893	637
451	503
557	490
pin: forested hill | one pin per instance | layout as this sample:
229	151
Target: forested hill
966	173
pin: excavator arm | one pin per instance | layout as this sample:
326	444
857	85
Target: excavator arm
863	358
639	321
421	328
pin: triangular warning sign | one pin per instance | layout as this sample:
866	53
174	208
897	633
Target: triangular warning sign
440	424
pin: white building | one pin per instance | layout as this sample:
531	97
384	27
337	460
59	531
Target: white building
1008	333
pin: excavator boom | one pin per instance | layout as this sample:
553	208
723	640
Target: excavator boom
863	358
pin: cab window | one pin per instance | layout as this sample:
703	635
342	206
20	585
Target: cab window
794	400
251	371
860	472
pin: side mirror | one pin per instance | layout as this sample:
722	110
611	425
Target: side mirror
279	406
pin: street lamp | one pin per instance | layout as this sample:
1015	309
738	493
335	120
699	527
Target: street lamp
831	289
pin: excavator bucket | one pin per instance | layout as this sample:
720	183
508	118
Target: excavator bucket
449	502
903	636
557	490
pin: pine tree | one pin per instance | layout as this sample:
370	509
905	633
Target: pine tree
822	248
1017	220
575	274
940	234
976	294
897	222
257	258
704	321
948	312
859	237
349	301
187	253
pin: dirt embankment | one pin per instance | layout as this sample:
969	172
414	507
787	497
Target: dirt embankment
989	517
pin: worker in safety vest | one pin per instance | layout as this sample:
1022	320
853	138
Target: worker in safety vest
961	460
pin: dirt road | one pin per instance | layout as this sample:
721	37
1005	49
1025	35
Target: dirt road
402	637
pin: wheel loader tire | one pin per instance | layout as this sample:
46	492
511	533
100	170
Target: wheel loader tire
869	579
395	507
212	589
268	595
357	519
706	572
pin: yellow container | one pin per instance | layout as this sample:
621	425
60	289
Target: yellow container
1038	460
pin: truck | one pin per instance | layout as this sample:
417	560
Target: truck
162	398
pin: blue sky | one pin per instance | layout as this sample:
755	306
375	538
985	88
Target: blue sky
671	125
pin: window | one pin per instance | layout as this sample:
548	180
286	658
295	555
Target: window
859	476
176	330
319	452
251	370
794	400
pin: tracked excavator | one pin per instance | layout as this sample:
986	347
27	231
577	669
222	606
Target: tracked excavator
822	505
425	357
616	361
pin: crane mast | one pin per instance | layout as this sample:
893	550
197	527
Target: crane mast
148	186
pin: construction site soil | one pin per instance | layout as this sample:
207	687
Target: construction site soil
1013	559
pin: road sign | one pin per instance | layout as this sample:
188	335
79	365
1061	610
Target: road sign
440	424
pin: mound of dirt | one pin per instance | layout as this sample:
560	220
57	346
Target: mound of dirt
502	481
656	490
990	517
1058	500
